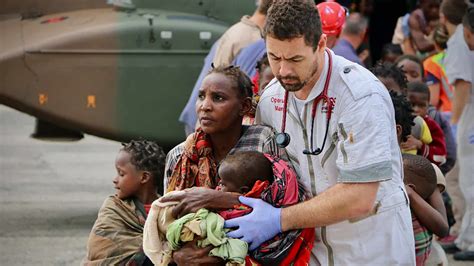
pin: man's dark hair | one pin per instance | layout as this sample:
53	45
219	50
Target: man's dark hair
242	82
419	87
288	19
420	172
468	20
147	156
453	10
403	113
412	58
247	167
264	6
388	70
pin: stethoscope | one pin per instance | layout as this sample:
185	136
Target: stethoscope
283	139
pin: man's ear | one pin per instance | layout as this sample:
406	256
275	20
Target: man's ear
246	106
244	189
145	177
322	42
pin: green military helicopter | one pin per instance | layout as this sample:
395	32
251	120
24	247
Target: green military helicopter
121	70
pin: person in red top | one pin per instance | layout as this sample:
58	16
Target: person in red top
419	97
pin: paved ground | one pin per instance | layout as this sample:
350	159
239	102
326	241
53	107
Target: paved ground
50	193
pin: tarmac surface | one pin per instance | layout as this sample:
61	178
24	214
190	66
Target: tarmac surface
50	193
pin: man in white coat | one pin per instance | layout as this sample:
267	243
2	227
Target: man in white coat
337	122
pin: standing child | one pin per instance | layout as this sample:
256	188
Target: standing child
391	76
394	79
421	183
431	212
419	96
117	235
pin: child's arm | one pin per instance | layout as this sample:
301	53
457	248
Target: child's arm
431	214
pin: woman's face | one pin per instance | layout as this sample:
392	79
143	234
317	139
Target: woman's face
219	106
412	70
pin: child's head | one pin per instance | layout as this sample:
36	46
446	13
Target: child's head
412	67
403	116
391	52
419	175
265	74
240	171
391	76
419	97
140	165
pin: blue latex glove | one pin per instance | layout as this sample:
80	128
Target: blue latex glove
263	223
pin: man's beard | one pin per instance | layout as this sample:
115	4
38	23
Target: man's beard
298	85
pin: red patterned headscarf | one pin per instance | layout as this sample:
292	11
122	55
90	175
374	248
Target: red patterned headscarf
196	167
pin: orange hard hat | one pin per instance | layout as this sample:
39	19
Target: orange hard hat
333	16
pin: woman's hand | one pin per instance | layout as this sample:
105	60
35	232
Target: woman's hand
193	199
190	254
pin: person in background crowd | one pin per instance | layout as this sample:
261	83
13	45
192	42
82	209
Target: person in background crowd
390	53
431	211
468	23
421	23
353	35
383	16
333	17
412	67
441	92
223	52
428	218
241	34
459	63
419	96
391	76
412	30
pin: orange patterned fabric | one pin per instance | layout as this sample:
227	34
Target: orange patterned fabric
196	167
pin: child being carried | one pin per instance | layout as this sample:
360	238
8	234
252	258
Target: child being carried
252	174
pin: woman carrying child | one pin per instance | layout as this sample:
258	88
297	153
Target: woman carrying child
223	101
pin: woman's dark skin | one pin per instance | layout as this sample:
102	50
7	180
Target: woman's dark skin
220	108
193	199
